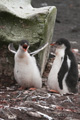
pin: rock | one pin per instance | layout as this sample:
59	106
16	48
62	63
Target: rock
79	70
19	20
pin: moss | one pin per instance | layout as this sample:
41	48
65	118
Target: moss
37	30
47	35
14	29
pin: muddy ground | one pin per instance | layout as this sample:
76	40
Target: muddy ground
41	104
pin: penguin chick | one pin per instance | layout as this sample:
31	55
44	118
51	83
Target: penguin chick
26	72
63	76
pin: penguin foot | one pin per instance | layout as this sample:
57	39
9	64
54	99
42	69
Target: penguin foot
21	88
31	89
53	91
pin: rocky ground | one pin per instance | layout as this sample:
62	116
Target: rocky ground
41	104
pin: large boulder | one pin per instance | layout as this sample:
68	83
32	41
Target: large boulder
19	20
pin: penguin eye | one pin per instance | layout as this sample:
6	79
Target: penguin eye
59	43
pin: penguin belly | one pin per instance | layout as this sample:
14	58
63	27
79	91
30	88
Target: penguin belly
53	76
27	74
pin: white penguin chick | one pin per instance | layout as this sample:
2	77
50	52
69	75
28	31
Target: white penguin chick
63	76
26	72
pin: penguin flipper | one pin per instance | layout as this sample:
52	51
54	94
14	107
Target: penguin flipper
62	72
40	49
11	48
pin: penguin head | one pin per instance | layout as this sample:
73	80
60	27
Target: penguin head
62	43
24	45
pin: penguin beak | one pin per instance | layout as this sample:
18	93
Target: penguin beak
52	44
25	47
